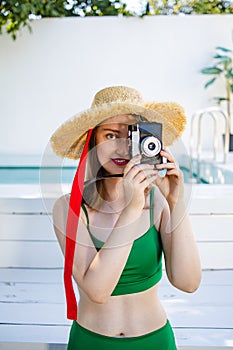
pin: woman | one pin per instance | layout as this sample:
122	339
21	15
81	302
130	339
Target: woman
129	215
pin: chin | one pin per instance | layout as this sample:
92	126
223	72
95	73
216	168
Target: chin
114	170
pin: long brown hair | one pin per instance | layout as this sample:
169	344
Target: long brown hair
93	193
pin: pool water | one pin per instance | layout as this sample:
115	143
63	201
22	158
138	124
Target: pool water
210	173
37	175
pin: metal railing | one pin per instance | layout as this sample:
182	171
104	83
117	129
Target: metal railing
214	113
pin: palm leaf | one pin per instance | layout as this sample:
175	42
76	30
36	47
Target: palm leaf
220	99
223	58
211	70
224	49
210	82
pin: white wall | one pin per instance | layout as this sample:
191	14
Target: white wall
51	74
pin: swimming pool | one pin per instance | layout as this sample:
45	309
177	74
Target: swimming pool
210	173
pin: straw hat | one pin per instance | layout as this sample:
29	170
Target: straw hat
69	139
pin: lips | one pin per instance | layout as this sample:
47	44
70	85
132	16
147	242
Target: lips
120	161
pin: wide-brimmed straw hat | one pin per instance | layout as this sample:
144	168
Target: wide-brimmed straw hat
69	139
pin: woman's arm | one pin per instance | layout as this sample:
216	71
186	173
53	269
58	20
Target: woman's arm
180	250
97	273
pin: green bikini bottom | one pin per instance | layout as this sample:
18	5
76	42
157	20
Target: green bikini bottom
84	339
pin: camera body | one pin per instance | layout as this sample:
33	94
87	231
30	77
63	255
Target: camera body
146	139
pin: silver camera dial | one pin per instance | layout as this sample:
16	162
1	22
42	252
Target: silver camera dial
151	146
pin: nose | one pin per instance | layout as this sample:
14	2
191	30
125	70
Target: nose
123	147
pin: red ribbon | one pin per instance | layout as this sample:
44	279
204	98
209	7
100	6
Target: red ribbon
71	231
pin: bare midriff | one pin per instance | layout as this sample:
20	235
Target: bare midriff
128	315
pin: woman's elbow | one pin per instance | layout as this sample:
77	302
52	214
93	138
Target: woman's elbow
97	296
191	287
98	299
188	285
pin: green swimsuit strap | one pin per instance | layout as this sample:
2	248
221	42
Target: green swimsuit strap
85	212
152	207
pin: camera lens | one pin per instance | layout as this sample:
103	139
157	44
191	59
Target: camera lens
150	146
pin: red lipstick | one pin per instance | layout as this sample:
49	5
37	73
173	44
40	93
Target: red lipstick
120	161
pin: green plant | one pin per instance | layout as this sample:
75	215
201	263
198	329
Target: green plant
222	68
188	7
15	15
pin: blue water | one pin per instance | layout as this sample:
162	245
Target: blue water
37	175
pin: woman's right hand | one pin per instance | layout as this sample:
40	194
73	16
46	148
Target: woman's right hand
136	179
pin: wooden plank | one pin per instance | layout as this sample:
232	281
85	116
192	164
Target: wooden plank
26	227
217	277
59	334
200	319
40	227
33	313
29	293
209	199
201	338
53	293
212	227
216	255
55	334
26	205
204	296
39	275
210	306
184	331
210	205
200	316
206	199
47	254
207	205
36	275
30	254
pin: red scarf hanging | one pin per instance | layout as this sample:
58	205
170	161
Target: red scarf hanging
71	231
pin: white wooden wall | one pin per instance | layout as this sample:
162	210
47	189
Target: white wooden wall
31	276
53	73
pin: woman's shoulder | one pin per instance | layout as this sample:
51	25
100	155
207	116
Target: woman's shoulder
61	204
61	207
60	211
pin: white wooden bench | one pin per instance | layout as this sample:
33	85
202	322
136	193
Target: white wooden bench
32	302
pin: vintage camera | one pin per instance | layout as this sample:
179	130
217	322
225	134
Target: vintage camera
146	139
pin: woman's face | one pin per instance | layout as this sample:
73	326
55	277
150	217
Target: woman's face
112	143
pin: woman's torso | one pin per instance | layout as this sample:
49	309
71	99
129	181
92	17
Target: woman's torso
127	314
124	315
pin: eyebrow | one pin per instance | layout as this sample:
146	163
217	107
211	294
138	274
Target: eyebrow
114	130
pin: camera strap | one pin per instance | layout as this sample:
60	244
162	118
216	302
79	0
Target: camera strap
89	182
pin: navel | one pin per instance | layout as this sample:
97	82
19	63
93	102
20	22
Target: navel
120	335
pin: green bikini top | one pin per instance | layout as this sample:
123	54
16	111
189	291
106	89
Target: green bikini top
143	268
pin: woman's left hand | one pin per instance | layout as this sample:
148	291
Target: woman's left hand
172	184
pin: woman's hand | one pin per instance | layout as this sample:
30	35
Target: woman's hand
172	184
136	179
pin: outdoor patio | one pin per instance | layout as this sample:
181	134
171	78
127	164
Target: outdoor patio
46	78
